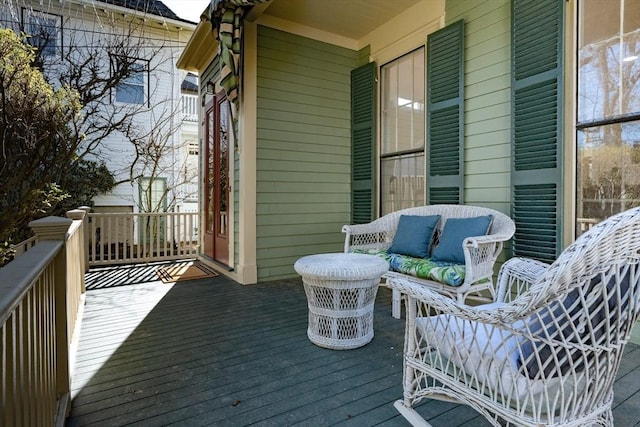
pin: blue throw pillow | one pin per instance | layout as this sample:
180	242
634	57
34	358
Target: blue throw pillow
449	248
413	235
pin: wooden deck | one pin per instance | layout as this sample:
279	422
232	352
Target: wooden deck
213	352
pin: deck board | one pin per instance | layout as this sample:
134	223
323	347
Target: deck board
213	352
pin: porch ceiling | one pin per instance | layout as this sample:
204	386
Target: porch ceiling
355	19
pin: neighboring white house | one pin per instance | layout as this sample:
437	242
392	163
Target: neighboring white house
188	190
155	93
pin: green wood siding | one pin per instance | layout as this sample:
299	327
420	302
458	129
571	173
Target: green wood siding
303	149
537	55
445	115
487	100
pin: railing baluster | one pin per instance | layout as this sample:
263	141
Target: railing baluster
116	235
173	242
102	238
141	237
9	370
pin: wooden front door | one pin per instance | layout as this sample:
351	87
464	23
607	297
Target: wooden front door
216	179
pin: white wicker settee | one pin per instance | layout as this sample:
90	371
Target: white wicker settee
547	351
480	252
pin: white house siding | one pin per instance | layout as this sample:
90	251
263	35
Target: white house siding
303	149
84	21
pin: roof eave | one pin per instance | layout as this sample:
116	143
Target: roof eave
200	49
160	20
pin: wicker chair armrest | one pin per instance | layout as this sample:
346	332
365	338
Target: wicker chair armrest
355	229
476	241
366	236
480	254
500	315
516	276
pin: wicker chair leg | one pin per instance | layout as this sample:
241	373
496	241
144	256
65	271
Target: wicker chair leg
410	414
395	304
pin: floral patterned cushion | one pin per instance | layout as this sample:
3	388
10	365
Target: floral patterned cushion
423	268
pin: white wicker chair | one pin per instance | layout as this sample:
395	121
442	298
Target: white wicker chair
480	252
547	351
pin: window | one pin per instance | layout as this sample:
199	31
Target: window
44	30
153	194
131	88
402	153
608	129
192	148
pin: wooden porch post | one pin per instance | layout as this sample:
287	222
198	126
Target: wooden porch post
55	228
86	209
81	214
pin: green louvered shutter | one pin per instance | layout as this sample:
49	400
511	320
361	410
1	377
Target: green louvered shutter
537	116
363	137
445	107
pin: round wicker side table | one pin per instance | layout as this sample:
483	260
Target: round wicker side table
341	290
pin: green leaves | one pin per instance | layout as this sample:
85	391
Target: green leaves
40	172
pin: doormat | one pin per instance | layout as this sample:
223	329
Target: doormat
181	272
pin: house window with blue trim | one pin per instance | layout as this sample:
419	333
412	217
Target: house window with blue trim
402	137
608	111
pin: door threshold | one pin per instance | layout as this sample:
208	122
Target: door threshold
217	263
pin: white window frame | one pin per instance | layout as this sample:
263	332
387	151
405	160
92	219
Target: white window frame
403	190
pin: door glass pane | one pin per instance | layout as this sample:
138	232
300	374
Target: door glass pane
210	175
223	145
608	172
402	184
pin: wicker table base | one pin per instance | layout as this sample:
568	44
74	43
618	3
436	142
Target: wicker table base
341	290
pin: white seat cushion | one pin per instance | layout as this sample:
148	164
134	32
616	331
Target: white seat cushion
490	354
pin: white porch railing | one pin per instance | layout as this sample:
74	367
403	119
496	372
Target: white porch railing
127	238
24	246
190	107
41	298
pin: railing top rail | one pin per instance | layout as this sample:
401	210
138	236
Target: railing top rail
17	277
26	242
95	214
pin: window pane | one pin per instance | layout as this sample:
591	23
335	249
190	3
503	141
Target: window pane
403	119
137	75
609	68
131	88
389	91
608	172
44	33
608	156
131	94
402	183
